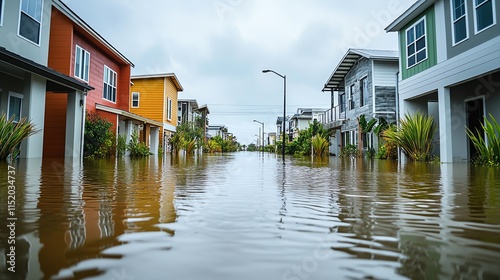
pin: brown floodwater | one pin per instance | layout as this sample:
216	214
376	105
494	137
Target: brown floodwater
249	216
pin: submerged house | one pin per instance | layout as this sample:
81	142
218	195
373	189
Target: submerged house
155	97
450	68
302	119
363	83
26	77
79	51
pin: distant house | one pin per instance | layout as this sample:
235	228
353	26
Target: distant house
26	78
79	51
157	96
302	119
217	130
363	83
186	110
450	68
203	112
279	128
271	138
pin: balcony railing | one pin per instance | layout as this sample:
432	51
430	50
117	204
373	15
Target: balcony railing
332	115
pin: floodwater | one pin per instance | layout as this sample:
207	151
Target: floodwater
249	216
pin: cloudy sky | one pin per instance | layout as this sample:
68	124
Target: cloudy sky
218	48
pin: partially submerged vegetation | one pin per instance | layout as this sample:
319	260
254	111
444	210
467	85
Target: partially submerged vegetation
12	133
488	148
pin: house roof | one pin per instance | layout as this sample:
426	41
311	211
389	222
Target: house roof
161	75
350	58
203	107
58	4
56	81
192	102
128	115
412	12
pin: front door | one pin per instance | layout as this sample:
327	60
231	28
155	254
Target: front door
475	118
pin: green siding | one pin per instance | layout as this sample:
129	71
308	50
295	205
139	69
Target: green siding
430	22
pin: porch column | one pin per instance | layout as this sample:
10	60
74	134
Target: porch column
153	145
446	151
128	134
33	108
74	123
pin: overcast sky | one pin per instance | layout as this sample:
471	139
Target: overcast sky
218	48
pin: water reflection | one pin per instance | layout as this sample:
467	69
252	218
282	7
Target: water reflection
248	215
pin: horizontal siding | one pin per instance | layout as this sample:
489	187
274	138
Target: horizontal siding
150	98
61	34
431	60
384	73
171	92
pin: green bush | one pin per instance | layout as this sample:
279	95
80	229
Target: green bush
99	141
413	136
12	134
121	145
350	150
489	148
137	148
320	145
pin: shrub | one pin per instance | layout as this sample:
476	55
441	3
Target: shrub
121	145
488	149
98	139
320	145
12	134
413	136
350	150
137	148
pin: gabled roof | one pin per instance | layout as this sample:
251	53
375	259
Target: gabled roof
63	8
203	108
161	75
416	9
350	59
192	102
56	81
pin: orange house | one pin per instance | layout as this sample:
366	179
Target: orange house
77	50
155	97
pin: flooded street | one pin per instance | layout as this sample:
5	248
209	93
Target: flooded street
249	216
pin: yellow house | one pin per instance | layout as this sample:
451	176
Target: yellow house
155	97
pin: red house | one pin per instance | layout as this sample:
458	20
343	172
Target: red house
77	50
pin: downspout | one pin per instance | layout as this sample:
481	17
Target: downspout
397	98
84	109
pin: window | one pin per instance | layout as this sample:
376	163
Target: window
169	109
109	88
82	63
459	20
135	100
351	97
484	13
15	106
363	92
30	21
416	50
342	103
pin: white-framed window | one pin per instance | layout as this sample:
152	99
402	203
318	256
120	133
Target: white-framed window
484	14
109	87
363	91
459	21
169	109
82	63
416	43
30	20
351	97
15	106
135	99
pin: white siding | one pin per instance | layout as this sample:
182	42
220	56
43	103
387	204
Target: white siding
384	73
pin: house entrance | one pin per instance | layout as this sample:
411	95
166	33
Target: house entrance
474	109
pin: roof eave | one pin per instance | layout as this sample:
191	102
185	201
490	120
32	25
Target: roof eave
414	10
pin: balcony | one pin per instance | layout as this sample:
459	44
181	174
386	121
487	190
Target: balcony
332	118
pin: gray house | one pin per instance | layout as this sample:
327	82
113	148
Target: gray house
450	68
363	83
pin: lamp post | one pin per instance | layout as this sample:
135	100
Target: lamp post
263	143
284	109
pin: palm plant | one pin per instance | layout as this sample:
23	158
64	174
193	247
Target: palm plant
12	133
189	146
364	127
320	145
489	148
413	136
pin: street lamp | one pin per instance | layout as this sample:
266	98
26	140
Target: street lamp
263	143
284	109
